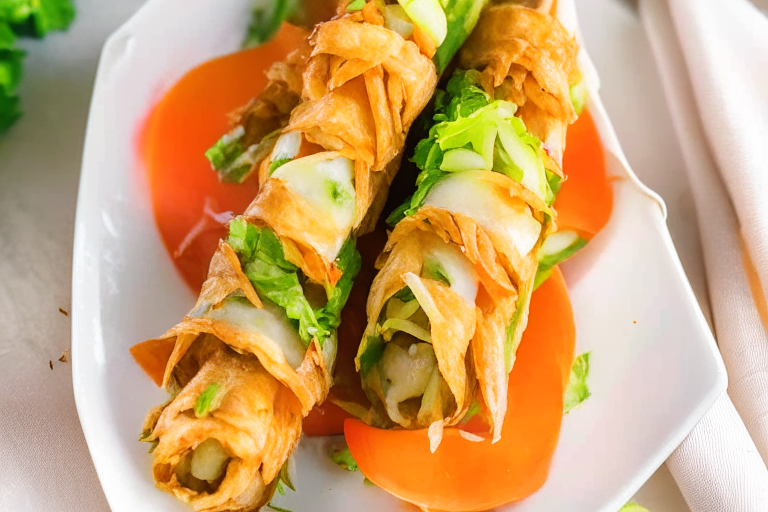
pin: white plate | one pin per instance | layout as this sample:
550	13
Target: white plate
651	380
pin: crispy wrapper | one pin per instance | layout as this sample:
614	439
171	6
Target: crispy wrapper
354	88
484	324
529	58
264	396
526	57
355	70
257	421
451	334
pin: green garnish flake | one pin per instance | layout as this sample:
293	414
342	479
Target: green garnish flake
207	401
633	507
405	295
278	163
577	390
278	509
337	192
344	459
154	445
369	482
579	96
266	21
374	349
280	490
278	280
461	17
355	5
433	269
547	262
509	341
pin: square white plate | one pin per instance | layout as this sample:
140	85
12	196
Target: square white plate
655	366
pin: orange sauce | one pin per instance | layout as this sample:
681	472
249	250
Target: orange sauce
191	206
585	200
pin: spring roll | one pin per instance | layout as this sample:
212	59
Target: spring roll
448	308
257	351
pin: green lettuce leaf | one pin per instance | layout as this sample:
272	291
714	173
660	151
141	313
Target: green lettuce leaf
579	96
468	122
374	348
275	508
233	161
522	300
266	20
577	390
461	17
633	507
11	59
355	5
349	262
548	261
207	401
344	459
280	281
37	17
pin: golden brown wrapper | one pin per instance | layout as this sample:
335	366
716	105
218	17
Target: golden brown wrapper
356	70
354	88
529	58
526	57
259	421
486	325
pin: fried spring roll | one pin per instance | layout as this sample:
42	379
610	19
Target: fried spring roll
256	352
447	310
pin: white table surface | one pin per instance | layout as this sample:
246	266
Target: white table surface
44	461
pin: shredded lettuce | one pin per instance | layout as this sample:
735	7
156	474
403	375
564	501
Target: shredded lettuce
633	507
275	508
579	96
266	20
433	269
429	16
344	459
548	260
374	349
206	401
461	18
233	161
474	132
355	5
278	163
577	390
279	280
405	295
522	300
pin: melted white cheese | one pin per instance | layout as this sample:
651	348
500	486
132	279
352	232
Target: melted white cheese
270	321
460	271
487	205
328	185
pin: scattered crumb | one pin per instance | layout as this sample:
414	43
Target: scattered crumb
50	363
634	321
64	356
63	312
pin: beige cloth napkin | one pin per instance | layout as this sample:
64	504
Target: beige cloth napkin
713	59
